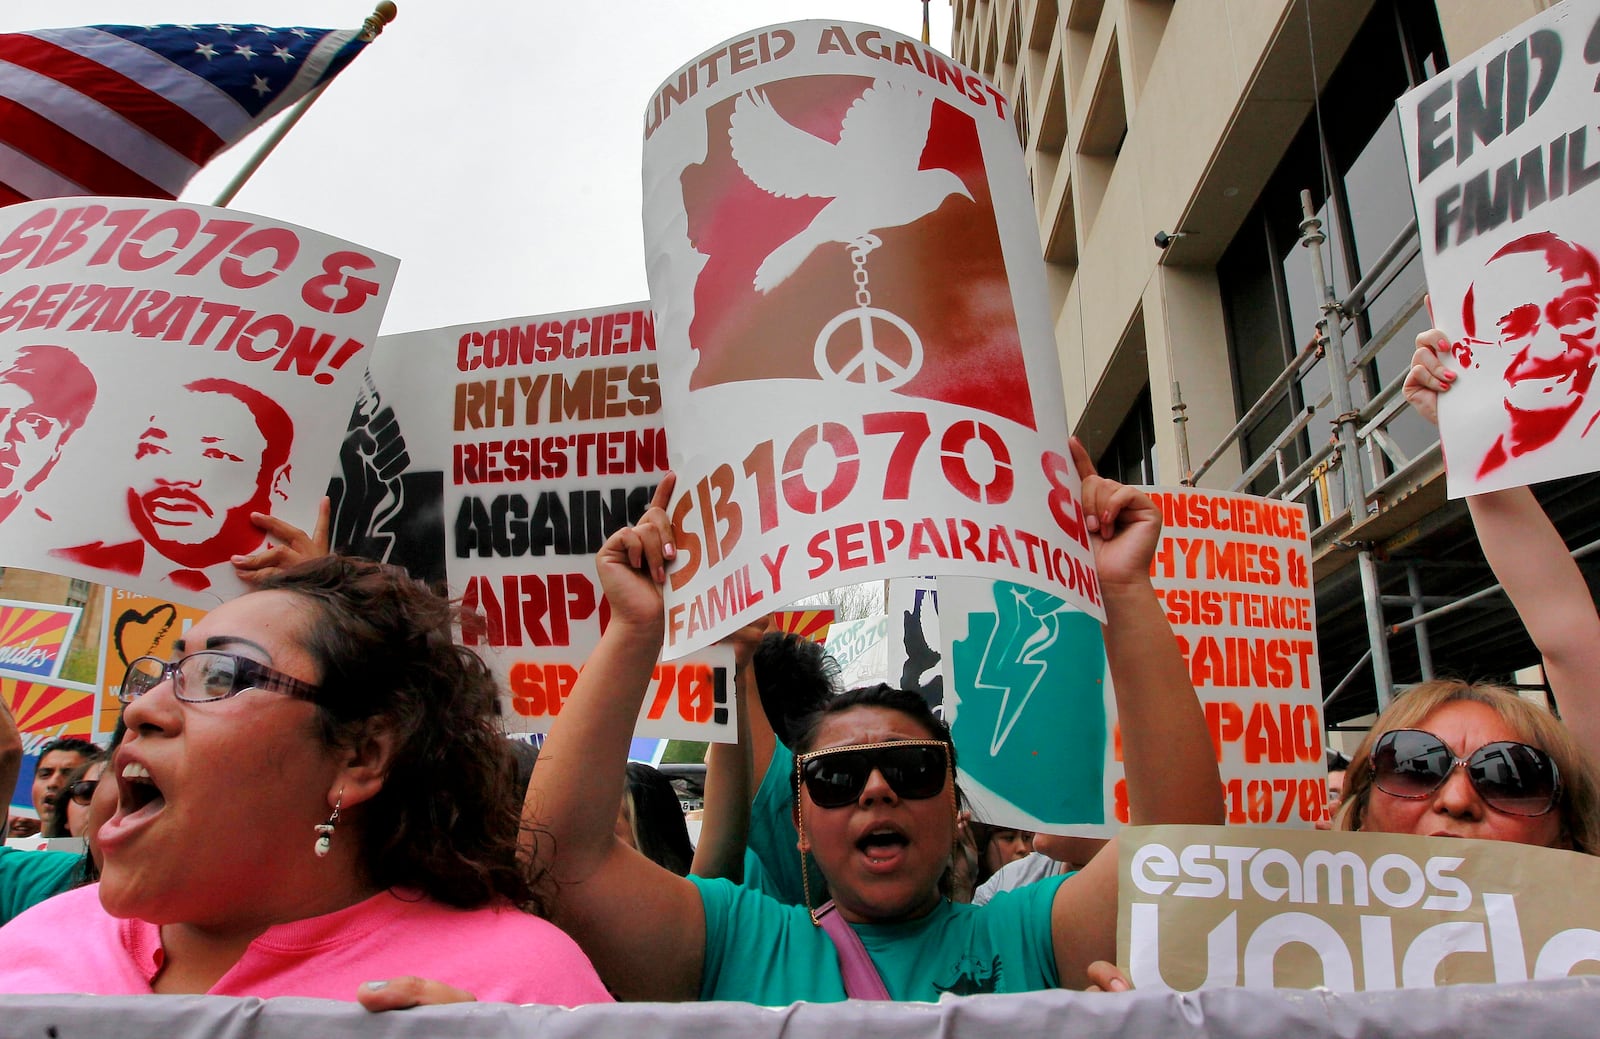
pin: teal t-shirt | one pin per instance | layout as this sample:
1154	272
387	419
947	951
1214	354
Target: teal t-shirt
759	950
29	877
771	858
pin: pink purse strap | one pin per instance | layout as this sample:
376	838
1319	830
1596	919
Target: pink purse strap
861	977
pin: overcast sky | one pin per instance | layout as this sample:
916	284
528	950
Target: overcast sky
492	145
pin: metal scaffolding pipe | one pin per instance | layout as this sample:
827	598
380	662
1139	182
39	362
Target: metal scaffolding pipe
1271	452
1180	419
1382	675
1355	495
1468	600
1424	646
1402	242
1350	676
1264	403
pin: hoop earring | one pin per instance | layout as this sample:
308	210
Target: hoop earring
325	830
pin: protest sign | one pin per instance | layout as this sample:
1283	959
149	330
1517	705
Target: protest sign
861	649
1031	705
912	604
1502	178
34	637
499	456
1028	700
1233	573
1349	911
120	626
46	627
811	624
134	625
170	369
857	354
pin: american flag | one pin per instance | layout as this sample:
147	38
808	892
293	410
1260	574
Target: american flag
138	109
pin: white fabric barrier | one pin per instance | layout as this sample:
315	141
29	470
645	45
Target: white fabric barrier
1569	1007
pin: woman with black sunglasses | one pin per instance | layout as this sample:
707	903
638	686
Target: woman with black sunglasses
312	794
1457	759
876	806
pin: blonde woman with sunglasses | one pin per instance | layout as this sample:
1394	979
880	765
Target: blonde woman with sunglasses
876	806
1457	759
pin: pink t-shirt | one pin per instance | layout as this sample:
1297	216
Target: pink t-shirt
70	944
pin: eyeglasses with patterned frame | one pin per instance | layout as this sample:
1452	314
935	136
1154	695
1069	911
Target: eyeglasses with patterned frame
219	675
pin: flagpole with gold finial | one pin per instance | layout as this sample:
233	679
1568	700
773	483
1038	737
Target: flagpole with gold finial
925	38
381	16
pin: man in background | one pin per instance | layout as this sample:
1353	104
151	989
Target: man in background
57	759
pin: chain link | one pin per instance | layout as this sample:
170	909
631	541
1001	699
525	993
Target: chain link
858	256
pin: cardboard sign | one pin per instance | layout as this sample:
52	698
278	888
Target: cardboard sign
34	637
1207	906
1028	699
811	624
1504	153
1031	703
47	710
1234	574
861	649
134	625
499	457
857	354
166	370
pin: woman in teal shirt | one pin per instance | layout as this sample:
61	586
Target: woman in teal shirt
876	807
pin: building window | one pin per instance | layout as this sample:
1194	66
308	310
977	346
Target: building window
78	593
1354	167
1130	457
1019	114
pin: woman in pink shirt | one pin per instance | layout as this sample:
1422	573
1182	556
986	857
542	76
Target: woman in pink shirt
312	794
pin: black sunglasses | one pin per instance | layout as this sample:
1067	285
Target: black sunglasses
914	770
208	675
1510	777
82	792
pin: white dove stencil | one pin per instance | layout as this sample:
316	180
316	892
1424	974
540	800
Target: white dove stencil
871	174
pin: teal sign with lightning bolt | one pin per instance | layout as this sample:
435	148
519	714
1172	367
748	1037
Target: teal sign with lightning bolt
1032	720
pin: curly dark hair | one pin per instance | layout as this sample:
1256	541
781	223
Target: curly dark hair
1579	787
447	819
